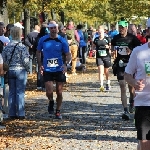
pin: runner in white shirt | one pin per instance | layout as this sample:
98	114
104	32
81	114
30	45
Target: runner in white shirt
137	74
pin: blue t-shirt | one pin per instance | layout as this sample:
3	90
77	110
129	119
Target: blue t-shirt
82	42
112	33
95	36
52	50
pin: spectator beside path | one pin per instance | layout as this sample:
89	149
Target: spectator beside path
16	56
29	41
72	35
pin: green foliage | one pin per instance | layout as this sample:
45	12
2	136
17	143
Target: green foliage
84	10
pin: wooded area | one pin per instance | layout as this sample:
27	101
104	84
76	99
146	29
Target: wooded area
90	11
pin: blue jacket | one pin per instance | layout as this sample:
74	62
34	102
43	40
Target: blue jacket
82	42
112	33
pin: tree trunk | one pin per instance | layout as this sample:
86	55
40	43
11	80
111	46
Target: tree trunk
26	22
53	14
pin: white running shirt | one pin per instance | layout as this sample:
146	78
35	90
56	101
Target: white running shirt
139	65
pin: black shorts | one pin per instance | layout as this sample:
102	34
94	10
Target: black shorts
142	122
105	61
54	76
120	73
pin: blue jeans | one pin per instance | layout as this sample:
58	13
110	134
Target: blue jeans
82	54
17	85
31	63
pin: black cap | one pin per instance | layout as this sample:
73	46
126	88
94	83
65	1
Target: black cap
80	26
2	24
9	26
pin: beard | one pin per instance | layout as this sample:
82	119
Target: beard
53	34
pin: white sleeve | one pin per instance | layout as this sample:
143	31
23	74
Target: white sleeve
132	64
1	59
7	40
93	38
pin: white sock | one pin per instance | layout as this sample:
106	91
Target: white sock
101	82
107	81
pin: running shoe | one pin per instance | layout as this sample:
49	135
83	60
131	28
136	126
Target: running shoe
107	87
51	107
126	115
102	88
131	108
58	115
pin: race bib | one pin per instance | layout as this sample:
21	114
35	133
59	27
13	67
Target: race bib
52	62
102	52
147	68
122	50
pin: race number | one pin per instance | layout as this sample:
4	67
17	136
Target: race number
52	62
147	68
122	50
102	52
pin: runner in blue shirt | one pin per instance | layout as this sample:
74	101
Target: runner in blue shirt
112	32
53	68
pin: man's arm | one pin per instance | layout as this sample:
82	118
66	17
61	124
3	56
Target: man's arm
114	52
130	70
38	55
1	65
38	52
27	41
137	84
68	58
77	36
129	79
109	44
94	44
136	42
1	69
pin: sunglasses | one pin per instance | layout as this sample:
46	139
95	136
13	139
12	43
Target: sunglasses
52	27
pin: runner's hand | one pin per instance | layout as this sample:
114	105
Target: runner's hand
41	70
2	73
128	51
64	68
107	46
139	85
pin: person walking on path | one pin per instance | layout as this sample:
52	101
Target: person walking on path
72	35
53	69
43	32
82	45
123	44
103	58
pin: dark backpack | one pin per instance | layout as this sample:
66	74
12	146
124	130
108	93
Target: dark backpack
1	46
71	36
85	36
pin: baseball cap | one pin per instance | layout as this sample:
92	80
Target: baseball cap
52	24
18	24
123	23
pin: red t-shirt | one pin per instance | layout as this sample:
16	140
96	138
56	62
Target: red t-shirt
141	38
